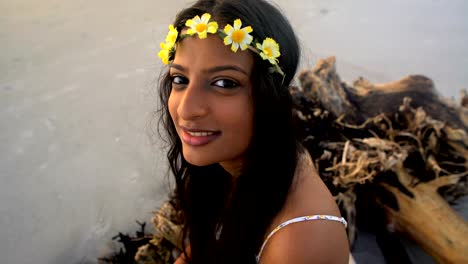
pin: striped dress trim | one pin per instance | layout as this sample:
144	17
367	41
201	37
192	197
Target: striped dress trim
296	220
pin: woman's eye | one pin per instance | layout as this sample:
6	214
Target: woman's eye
176	79
226	83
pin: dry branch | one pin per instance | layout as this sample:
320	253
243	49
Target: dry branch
398	135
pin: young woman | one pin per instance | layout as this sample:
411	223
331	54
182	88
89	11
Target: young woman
248	192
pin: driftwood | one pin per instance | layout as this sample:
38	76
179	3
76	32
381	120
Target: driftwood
395	147
131	244
402	141
166	244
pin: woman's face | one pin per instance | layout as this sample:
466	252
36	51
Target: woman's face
211	101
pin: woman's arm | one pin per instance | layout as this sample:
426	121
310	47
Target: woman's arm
317	241
308	242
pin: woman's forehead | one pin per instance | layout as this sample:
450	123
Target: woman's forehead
210	52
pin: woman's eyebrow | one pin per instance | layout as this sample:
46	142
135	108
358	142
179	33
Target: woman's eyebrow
226	68
213	69
177	66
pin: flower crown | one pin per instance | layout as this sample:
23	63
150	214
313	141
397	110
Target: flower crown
232	35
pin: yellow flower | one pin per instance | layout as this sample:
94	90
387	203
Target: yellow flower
164	55
269	50
171	39
171	35
166	46
201	26
237	37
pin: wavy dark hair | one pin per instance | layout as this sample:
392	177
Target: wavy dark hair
225	219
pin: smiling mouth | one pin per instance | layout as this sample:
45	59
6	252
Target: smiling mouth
201	134
197	137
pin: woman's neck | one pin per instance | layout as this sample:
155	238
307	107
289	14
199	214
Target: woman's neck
234	167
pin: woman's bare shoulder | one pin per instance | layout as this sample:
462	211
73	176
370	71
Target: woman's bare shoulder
309	241
308	193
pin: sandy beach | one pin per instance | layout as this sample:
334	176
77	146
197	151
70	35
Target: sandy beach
80	159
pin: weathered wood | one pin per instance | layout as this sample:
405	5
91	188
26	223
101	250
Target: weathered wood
428	219
358	134
364	99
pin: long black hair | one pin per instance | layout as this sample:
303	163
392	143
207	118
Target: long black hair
225	219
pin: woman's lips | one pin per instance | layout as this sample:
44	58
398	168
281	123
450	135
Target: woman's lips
195	137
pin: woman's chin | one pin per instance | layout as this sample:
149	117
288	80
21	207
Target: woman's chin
197	160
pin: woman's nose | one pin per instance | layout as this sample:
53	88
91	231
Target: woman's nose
193	102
